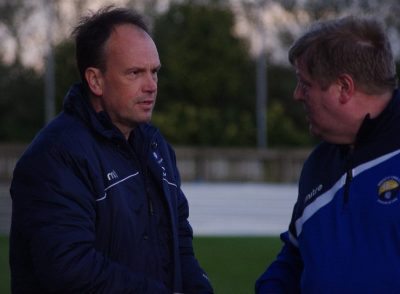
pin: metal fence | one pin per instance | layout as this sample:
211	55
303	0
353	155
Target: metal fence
210	164
195	165
241	165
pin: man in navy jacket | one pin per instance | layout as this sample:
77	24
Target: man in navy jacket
97	203
344	236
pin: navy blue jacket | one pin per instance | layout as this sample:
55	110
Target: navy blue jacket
344	236
95	213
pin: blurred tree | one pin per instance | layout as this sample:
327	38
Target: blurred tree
286	123
207	82
21	103
12	14
206	85
65	70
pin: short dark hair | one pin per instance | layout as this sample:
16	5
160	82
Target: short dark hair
357	46
93	31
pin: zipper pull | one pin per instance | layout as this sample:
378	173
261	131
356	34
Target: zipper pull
349	178
151	208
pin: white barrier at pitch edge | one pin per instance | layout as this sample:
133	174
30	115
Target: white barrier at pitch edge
240	209
219	209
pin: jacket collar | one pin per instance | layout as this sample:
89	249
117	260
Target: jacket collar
373	128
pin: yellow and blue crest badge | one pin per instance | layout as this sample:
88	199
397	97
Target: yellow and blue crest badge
388	190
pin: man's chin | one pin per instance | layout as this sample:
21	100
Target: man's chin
148	119
144	117
314	133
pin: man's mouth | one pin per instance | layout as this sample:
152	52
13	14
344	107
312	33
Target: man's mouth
147	104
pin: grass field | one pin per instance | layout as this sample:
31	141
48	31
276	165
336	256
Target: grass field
232	263
4	269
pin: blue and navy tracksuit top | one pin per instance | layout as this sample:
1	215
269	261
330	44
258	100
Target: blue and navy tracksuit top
96	213
344	236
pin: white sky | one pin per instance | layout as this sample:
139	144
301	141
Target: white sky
39	30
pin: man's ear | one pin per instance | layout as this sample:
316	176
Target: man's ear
94	80
347	87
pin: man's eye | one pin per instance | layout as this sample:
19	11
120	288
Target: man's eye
303	86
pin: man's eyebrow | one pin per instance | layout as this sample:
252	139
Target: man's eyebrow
302	79
134	68
139	69
142	68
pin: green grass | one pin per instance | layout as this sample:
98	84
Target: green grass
232	263
4	268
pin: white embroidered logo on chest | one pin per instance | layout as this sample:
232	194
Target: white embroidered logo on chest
112	175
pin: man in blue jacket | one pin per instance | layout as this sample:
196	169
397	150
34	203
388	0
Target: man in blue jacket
97	203
344	236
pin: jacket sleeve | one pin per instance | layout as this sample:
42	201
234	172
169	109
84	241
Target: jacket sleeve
54	215
195	279
283	275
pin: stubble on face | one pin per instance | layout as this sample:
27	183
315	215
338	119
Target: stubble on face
130	79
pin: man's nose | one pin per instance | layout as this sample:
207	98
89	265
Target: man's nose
150	83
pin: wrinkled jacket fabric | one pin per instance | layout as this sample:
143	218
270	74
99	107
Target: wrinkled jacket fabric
80	210
344	236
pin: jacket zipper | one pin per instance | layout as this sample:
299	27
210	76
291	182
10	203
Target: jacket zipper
349	176
144	173
149	201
